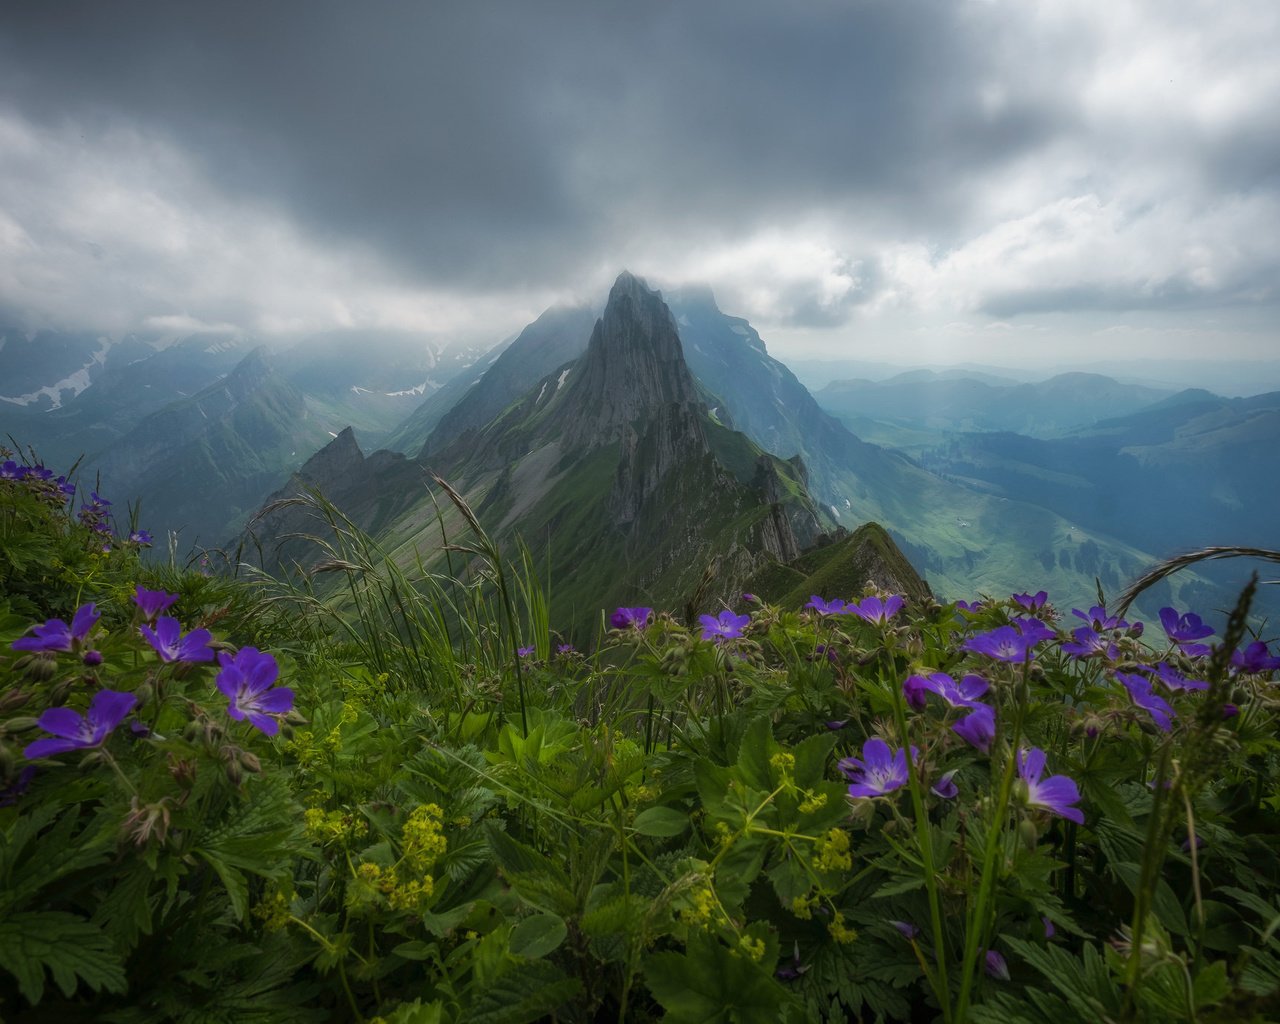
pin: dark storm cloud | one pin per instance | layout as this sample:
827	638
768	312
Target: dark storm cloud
480	143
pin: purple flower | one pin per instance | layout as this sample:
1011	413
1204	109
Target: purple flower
168	642
56	635
79	732
878	772
142	537
92	658
1055	794
1032	602
247	681
963	694
914	690
525	652
727	626
1088	643
1005	643
875	610
946	787
1255	658
1049	930
153	602
972	607
978	728
1185	629
1033	629
1229	711
1157	707
631	618
906	929
750	598
10	470
565	649
1097	618
996	966
835	725
1175	680
823	607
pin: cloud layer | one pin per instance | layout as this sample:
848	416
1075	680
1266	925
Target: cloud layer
833	170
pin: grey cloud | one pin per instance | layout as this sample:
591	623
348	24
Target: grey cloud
495	143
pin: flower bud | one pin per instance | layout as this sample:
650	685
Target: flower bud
92	658
23	723
11	700
1028	834
59	694
235	773
250	761
145	693
183	771
40	666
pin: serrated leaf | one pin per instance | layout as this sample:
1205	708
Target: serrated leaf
69	947
527	992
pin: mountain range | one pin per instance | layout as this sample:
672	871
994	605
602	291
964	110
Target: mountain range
596	434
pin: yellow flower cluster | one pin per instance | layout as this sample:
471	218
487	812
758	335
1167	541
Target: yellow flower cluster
374	882
802	907
833	852
783	763
303	747
753	949
702	905
340	826
412	895
423	837
841	932
812	802
273	911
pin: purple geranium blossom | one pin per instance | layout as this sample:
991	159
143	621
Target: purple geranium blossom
972	607
1174	679
823	607
524	652
153	602
169	643
1089	643
996	966
978	728
247	680
1157	707
74	731
875	610
1255	658
946	787
963	694
631	618
1049	930
1055	794
1032	602
56	635
1033	629
1005	643
565	649
906	929
878	772
727	626
1097	618
142	537
1184	629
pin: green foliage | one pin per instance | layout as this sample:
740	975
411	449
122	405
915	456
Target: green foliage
444	830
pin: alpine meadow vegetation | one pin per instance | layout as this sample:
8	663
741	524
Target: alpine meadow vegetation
386	794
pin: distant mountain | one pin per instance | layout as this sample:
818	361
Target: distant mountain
1192	470
202	464
612	468
922	399
559	336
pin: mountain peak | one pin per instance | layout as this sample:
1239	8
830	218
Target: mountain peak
634	365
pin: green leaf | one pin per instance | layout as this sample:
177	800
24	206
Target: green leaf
754	751
68	946
661	821
1164	904
709	984
529	991
538	935
1211	985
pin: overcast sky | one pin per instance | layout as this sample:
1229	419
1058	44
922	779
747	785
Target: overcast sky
952	181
